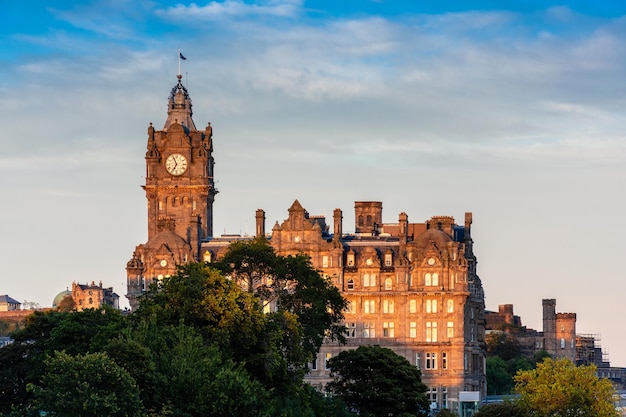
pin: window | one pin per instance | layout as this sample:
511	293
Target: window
450	306
413	329
388	329
351	329
444	360
350	284
351	307
431	306
372	280
431	360
432	395
450	329
350	259
369	306
444	397
388	284
313	364
418	360
431	331
388	306
431	279
412	306
326	359
562	340
160	205
388	259
207	256
366	280
325	261
369	329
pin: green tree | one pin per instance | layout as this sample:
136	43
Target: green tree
291	283
86	385
558	388
505	409
375	381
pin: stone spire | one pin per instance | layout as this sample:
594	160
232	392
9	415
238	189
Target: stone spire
179	107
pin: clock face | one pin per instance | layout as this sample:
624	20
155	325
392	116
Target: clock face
431	261
176	164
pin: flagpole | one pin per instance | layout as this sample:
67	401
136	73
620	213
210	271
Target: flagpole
179	61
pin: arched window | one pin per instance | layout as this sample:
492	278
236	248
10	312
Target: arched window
435	279
428	279
366	280
207	256
350	284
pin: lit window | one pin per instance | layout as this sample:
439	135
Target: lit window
366	280
351	329
351	306
450	307
428	279
350	284
369	306
412	306
431	331
350	259
388	306
388	284
388	260
388	329
326	359
431	306
431	360
325	261
435	279
413	330
450	329
444	360
207	256
372	280
369	329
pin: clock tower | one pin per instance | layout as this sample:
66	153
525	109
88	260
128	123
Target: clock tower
180	192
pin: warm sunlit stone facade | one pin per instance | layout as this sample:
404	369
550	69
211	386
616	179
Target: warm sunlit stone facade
180	192
411	287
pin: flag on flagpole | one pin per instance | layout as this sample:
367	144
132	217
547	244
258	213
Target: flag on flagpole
181	56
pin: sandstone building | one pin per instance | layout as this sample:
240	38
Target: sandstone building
411	287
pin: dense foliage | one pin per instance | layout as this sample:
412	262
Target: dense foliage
558	388
375	382
198	345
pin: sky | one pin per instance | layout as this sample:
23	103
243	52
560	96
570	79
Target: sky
511	110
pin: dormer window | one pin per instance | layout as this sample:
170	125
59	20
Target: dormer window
388	259
350	284
350	259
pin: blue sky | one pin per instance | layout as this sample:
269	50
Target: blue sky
511	110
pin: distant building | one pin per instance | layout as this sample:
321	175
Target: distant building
93	296
9	304
558	338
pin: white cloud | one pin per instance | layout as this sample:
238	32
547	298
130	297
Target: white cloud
232	8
